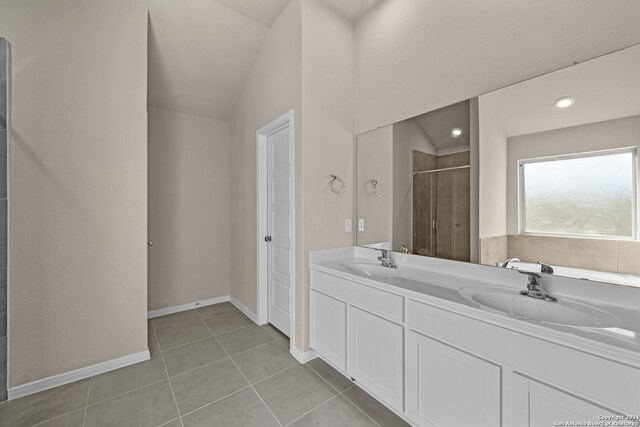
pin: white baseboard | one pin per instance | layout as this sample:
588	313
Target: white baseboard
303	357
250	314
187	306
78	374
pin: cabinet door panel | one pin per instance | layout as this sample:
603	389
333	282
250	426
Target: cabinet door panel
376	353
448	387
329	328
536	404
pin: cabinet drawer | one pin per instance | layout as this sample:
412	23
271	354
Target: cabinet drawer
385	304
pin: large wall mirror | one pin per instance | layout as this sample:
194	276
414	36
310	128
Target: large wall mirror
541	175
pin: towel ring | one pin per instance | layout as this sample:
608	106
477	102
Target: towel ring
336	185
377	188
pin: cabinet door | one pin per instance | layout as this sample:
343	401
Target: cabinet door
376	356
329	328
539	405
449	387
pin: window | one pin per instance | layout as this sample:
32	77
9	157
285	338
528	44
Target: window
589	195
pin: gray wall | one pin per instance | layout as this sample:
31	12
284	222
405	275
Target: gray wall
4	124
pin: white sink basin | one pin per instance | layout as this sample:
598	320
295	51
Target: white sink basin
371	269
562	312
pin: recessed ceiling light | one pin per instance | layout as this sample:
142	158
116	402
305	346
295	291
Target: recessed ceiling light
564	102
456	132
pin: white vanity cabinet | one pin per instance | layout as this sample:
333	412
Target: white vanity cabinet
537	404
329	328
376	355
359	330
449	387
437	363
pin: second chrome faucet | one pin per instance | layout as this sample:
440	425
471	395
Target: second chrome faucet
385	259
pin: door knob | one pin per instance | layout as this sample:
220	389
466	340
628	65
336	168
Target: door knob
267	238
149	243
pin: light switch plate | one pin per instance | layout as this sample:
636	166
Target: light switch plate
347	225
361	224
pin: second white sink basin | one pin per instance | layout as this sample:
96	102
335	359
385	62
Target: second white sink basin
562	312
371	269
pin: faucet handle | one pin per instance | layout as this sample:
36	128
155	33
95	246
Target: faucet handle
534	278
545	268
530	273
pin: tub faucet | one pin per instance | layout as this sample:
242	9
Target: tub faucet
535	288
505	263
385	259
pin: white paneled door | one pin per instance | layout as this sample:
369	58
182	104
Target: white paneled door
279	229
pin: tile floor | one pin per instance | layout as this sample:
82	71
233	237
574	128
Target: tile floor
209	367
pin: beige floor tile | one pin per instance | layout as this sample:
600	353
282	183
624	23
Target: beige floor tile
206	384
333	377
152	343
174	320
293	393
72	419
244	339
173	423
193	355
226	322
45	405
216	309
263	361
113	383
147	407
338	412
374	409
242	409
184	334
276	334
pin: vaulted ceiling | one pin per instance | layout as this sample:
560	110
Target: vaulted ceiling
603	88
352	9
437	125
202	51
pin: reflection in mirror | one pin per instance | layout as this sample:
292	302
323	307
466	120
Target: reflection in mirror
558	181
413	181
551	161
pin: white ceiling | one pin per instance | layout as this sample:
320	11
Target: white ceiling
262	11
437	125
604	88
352	9
202	51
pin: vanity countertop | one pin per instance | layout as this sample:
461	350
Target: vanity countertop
438	282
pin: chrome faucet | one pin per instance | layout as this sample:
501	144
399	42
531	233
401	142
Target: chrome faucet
385	259
505	264
544	268
535	288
